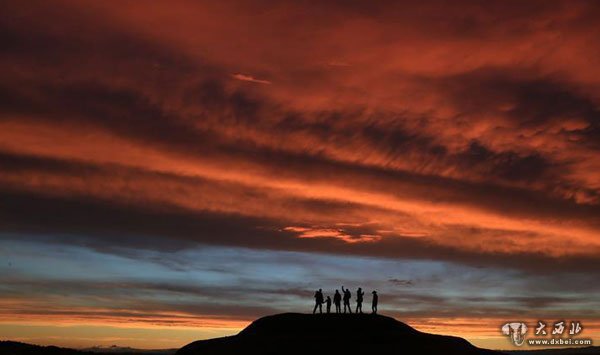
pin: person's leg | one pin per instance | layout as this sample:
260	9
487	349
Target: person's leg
315	309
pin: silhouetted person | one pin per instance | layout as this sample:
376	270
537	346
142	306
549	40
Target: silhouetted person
337	300
359	300
328	303
374	303
318	301
347	297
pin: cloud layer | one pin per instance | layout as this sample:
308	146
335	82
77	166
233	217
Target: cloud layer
463	133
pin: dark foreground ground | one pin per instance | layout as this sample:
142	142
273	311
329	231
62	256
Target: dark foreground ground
293	333
17	348
570	351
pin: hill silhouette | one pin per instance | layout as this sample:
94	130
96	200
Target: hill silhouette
348	334
18	348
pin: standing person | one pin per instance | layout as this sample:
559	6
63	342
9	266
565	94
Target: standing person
359	300
347	297
318	301
374	304
337	300
328	303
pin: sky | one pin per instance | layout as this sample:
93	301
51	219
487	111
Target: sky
170	171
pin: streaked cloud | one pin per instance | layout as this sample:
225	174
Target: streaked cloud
399	135
340	234
250	78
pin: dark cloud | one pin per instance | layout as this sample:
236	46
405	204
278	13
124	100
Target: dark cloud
506	165
526	97
401	282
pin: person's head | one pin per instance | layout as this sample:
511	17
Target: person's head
374	292
320	290
360	289
337	291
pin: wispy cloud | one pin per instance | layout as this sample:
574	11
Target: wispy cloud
250	78
332	233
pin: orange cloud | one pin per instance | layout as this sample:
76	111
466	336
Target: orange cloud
402	207
332	233
249	78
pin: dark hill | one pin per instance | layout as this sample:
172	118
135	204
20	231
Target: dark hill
17	348
293	333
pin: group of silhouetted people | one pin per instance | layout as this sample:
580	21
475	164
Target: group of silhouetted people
337	300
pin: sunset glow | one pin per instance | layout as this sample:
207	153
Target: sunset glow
176	169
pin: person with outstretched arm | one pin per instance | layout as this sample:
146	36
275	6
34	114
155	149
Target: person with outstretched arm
347	296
